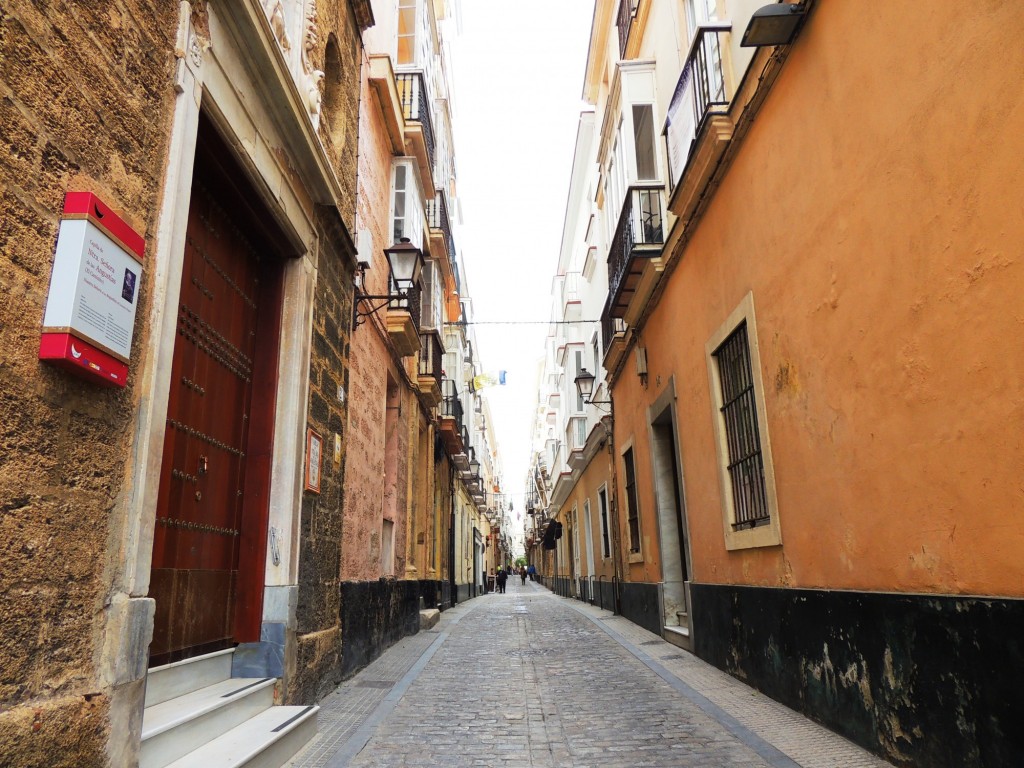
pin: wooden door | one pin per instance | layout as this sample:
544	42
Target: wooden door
209	542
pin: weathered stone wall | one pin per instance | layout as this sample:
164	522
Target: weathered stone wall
338	55
85	99
318	611
318	628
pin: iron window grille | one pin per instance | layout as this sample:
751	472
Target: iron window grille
632	507
743	439
606	548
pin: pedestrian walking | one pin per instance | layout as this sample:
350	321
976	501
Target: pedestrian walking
502	578
522	573
532	572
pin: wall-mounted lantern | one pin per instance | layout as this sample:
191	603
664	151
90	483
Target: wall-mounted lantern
585	386
405	262
774	24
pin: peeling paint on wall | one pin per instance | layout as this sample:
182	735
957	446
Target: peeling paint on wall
922	680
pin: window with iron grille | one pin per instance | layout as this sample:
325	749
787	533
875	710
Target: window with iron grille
750	505
739	417
602	498
632	506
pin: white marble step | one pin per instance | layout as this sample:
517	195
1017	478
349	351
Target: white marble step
181	677
679	637
176	727
265	741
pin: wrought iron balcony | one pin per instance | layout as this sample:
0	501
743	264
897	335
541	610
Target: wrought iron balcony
428	380
627	11
612	329
639	235
410	304
451	425
431	356
451	405
416	106
437	218
700	92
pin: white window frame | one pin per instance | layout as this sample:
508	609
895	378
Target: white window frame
431	303
413	213
770	534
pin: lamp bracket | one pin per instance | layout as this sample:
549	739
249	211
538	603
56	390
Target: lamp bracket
384	300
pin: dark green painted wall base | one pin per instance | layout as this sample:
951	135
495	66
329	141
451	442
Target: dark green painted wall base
639	604
374	616
923	680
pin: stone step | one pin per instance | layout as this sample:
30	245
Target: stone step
267	740
429	618
182	677
173	728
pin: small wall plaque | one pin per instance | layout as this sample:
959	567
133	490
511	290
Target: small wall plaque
314	454
94	292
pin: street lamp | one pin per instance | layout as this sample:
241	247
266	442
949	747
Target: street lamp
774	24
585	386
405	262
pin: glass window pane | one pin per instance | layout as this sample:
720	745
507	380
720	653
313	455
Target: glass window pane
643	137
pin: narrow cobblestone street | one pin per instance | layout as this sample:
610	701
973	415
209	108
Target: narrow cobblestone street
531	679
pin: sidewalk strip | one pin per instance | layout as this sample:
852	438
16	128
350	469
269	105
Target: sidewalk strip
770	753
365	731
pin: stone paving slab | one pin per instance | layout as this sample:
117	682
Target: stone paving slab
534	680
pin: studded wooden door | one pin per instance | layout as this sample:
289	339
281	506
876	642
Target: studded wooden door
211	515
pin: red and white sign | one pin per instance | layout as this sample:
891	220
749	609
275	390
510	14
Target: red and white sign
94	292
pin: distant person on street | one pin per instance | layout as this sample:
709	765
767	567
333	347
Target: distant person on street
522	573
532	572
502	578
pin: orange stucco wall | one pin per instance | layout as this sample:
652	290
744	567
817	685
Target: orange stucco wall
595	476
874	211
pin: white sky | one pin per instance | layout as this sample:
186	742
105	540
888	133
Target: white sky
517	72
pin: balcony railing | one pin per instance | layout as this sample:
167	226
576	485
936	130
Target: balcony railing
410	304
700	89
431	355
451	406
416	106
627	10
639	234
437	218
610	327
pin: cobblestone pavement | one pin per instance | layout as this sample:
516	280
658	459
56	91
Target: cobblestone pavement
528	679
